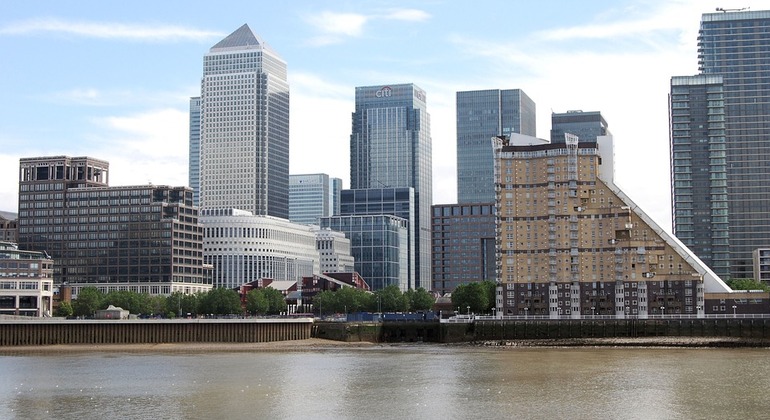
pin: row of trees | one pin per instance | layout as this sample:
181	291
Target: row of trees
389	299
218	301
477	298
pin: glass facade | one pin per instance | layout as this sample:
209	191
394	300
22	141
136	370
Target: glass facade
698	169
463	245
481	115
244	127
378	244
735	46
313	196
390	147
398	202
194	169
586	125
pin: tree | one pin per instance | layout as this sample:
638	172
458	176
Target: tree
89	300
276	303
747	284
390	299
134	303
64	310
324	302
420	299
256	302
473	297
221	301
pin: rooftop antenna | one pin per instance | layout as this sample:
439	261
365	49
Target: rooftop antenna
719	9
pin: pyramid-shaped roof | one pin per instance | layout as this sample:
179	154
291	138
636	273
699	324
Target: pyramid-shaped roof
242	39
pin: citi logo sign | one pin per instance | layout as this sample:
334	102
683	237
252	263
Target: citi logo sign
384	92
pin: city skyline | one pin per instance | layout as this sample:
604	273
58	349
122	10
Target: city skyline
114	82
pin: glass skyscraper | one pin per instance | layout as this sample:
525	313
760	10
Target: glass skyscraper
390	147
481	115
244	127
698	169
194	169
735	46
312	196
586	125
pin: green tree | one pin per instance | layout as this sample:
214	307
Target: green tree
747	284
256	302
134	303
156	305
89	300
420	299
324	303
221	301
473	296
64	310
390	299
276	303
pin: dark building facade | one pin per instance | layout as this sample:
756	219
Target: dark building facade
736	46
700	206
463	245
586	125
141	238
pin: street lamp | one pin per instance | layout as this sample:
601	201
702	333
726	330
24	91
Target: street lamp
734	308
469	309
662	311
493	312
593	311
526	312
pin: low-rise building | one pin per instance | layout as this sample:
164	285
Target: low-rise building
26	282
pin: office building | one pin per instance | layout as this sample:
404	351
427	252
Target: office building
379	245
571	244
398	202
194	165
143	238
699	170
335	255
586	125
733	45
244	127
312	196
390	147
246	248
8	226
26	282
463	245
481	115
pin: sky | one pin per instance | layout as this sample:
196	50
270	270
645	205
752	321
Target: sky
112	80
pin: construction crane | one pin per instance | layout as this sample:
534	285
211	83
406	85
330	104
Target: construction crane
719	9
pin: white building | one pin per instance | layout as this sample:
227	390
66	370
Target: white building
244	127
334	252
243	248
26	282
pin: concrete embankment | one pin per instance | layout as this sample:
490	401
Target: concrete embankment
690	332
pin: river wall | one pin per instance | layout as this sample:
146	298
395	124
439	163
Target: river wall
50	332
509	330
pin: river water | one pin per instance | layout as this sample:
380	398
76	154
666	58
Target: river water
390	382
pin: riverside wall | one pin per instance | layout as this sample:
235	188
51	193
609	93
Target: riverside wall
250	330
511	330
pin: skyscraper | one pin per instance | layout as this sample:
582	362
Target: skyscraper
735	46
390	147
481	115
312	196
586	125
194	167
698	169
244	127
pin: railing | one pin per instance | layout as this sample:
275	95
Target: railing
603	317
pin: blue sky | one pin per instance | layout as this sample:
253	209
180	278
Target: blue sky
112	80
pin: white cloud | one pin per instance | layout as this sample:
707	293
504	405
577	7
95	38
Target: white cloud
336	27
109	30
409	15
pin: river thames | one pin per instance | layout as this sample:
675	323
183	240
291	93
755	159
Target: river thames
388	382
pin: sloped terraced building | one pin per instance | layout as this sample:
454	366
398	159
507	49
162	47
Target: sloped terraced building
571	244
